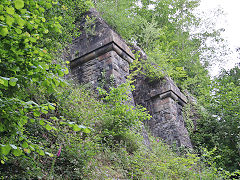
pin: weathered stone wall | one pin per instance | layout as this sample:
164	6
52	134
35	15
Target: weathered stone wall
105	56
98	57
164	101
107	67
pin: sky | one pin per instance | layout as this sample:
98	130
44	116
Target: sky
231	23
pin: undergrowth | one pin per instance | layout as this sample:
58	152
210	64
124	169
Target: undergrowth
102	140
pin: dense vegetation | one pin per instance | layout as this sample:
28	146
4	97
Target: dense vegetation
174	38
54	129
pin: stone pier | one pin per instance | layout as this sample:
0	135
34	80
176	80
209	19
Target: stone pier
103	56
165	103
100	54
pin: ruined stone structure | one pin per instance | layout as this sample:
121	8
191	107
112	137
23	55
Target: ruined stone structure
164	101
93	55
101	52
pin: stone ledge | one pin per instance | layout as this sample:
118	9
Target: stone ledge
111	46
103	39
169	89
172	95
112	38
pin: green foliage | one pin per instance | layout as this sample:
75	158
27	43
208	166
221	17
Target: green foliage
220	126
51	129
89	26
123	116
30	33
113	149
120	15
149	34
163	31
158	163
168	31
152	72
42	135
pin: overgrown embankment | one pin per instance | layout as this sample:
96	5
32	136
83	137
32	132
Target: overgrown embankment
85	138
53	129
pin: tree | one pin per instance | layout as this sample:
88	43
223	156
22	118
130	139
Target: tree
220	127
164	29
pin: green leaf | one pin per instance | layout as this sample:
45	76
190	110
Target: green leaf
23	11
60	73
20	21
55	129
66	71
43	19
4	31
41	152
9	20
19	4
81	127
45	107
2	18
41	122
61	123
1	81
24	144
44	111
76	128
32	39
17	152
27	150
49	154
41	9
36	113
56	81
48	127
13	81
2	127
4	81
51	107
86	130
35	79
63	83
45	31
21	138
31	148
19	31
24	120
10	10
48	5
1	7
54	118
5	149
